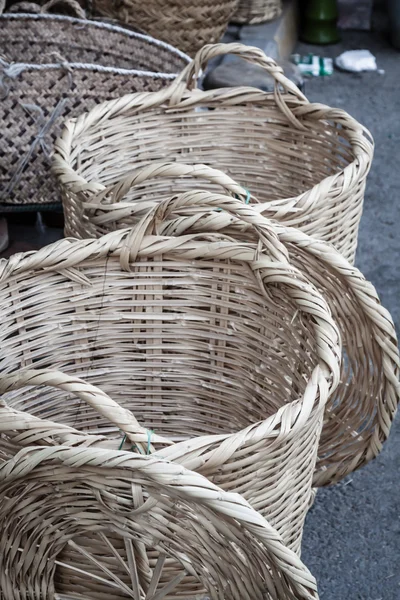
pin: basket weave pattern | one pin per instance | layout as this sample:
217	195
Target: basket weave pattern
187	25
306	164
370	355
359	415
250	12
213	344
155	525
56	67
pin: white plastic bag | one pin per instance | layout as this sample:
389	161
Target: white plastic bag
356	61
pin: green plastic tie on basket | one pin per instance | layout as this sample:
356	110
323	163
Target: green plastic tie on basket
134	446
122	443
149	434
247	200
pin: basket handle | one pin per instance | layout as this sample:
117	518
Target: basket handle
34	8
189	77
73	5
90	394
271	252
106	200
155	219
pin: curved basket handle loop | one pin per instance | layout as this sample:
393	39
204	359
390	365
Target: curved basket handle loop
72	5
150	223
109	202
174	169
34	8
90	394
31	8
189	77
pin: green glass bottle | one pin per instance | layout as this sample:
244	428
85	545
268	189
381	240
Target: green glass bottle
320	22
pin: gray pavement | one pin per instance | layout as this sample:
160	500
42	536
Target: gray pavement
352	536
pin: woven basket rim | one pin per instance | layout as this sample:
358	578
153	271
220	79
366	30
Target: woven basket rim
361	141
98	25
268	428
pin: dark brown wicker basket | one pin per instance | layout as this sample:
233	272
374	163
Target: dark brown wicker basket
53	67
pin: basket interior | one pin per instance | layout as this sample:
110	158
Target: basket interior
41	41
256	146
191	347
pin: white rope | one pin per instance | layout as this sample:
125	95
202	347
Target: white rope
15	69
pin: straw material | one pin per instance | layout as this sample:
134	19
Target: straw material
362	410
250	12
186	24
216	345
125	203
53	67
152	524
306	163
360	413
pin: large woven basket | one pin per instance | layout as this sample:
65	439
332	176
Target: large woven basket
216	345
56	66
250	12
359	414
151	524
186	24
306	163
368	334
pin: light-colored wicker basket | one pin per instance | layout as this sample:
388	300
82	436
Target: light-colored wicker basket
367	330
214	344
359	414
250	12
186	24
53	67
306	163
151	524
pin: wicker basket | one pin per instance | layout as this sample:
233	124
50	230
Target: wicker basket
186	24
201	534
57	66
359	415
306	163
250	12
216	345
371	353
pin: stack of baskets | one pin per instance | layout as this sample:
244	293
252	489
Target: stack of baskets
176	381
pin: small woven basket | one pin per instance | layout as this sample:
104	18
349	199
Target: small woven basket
368	334
54	66
186	24
306	163
250	12
219	347
104	523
